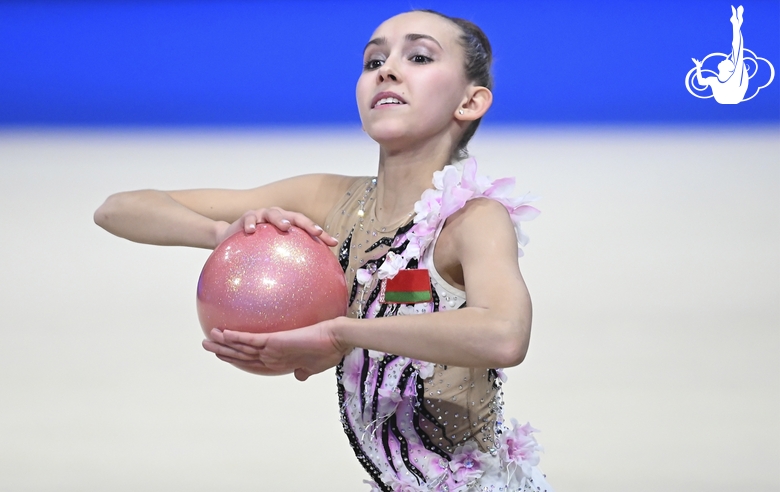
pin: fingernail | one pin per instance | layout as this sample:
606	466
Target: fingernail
317	227
285	221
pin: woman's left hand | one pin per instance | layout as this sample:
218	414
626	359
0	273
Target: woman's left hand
304	351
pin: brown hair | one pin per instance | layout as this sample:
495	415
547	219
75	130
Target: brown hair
478	57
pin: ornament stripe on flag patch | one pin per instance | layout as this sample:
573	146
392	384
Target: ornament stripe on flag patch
407	287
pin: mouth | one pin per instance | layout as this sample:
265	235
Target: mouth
386	99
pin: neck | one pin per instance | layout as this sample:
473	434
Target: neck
402	177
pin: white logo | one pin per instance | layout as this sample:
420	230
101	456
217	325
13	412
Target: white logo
730	84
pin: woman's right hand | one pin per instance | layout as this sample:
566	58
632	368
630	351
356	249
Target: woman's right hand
279	218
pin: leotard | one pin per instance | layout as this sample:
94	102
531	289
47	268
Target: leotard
414	425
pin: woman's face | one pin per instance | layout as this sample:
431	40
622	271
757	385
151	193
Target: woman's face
413	80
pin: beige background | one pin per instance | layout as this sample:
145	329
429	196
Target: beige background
654	268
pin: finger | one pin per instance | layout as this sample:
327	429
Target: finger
250	223
302	374
313	229
274	216
225	351
324	236
218	336
255	367
243	363
215	335
253	341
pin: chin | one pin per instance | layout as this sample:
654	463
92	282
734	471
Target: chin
388	133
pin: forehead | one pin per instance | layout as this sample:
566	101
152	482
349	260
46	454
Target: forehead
395	28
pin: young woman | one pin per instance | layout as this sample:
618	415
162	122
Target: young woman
418	378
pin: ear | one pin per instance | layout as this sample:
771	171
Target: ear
475	105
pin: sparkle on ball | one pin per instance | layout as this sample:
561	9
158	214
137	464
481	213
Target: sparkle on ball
270	281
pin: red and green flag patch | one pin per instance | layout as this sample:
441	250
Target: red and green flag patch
407	287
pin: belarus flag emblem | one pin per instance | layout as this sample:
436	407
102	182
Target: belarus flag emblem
407	287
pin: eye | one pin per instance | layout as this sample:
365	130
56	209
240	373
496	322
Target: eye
421	59
372	64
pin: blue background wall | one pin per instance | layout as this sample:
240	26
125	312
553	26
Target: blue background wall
193	63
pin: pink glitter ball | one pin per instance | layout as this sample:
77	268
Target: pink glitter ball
270	281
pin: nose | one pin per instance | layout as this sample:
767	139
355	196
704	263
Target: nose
387	72
387	76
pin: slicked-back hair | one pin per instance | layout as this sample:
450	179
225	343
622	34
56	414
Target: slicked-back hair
478	57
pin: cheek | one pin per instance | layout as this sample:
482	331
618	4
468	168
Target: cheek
442	92
362	92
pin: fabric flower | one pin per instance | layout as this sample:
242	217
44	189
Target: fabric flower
470	180
389	398
425	369
399	485
351	369
450	484
363	276
524	213
435	467
466	463
453	196
376	354
374	485
519	448
453	186
393	262
427	208
438	179
399	240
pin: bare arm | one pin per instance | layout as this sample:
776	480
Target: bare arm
493	331
200	218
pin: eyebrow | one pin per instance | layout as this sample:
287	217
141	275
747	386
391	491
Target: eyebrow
381	41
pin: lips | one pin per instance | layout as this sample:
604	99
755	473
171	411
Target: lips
387	98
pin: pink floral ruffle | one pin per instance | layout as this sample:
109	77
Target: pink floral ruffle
453	186
512	468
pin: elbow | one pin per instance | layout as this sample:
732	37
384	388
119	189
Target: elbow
514	344
107	211
114	206
102	215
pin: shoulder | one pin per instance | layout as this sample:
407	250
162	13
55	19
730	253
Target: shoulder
481	208
335	184
327	190
482	227
320	193
479	217
312	194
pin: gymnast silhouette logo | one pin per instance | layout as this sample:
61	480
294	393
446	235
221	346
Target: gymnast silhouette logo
730	84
